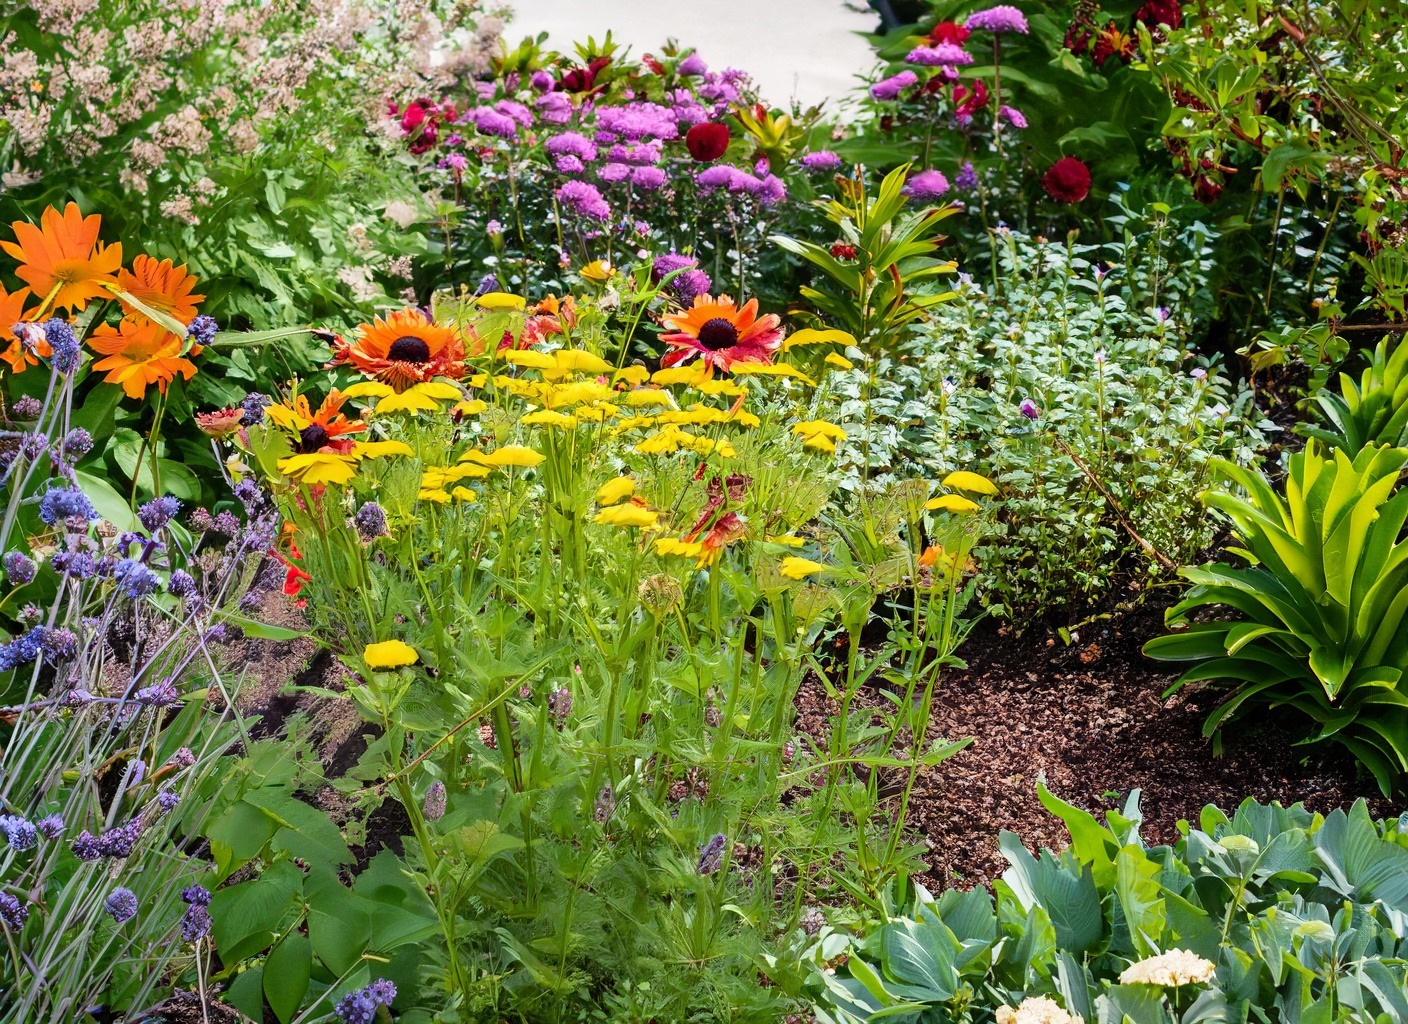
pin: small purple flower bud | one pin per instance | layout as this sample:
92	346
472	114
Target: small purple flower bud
13	913
19	568
370	522
19	833
121	904
1029	409
203	330
51	827
434	806
27	407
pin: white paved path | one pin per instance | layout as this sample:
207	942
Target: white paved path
805	49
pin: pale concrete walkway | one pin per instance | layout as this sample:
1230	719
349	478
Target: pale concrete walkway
805	49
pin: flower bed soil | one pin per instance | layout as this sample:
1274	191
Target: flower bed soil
1090	721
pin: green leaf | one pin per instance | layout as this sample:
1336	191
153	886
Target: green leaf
286	975
110	505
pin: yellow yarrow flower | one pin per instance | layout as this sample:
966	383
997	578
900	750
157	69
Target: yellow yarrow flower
389	654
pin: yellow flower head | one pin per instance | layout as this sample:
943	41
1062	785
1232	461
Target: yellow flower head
749	368
509	456
426	397
962	480
598	271
531	358
632	375
577	361
952	503
500	300
794	567
617	490
549	418
629	515
389	654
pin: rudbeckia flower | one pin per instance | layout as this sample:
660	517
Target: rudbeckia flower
720	334
629	516
403	349
794	567
812	336
531	358
139	353
12	312
389	654
161	286
62	259
614	491
577	361
426	397
750	367
324	430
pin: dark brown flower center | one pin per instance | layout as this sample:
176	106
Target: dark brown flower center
312	438
409	350
717	334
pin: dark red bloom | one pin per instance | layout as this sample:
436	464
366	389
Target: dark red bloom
584	79
1160	12
415	113
1206	189
1111	42
842	251
707	142
653	64
968	101
951	32
1067	181
1077	39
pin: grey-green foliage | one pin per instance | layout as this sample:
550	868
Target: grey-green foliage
1304	917
1086	334
1371	411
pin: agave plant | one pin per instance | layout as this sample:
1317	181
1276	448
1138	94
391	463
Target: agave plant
1372	411
1319	621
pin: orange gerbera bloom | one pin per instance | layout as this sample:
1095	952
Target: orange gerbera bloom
720	334
404	349
161	285
62	259
12	312
139	353
317	431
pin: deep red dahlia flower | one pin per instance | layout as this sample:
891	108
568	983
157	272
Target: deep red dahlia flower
1067	181
707	142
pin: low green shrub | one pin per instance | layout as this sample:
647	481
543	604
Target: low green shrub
1319	611
1273	914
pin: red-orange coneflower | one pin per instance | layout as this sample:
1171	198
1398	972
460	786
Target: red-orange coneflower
404	349
720	334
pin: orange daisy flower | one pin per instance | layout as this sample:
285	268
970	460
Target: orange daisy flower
321	431
720	334
12	312
162	286
138	354
404	349
62	259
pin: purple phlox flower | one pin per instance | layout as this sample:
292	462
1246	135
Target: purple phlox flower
648	152
636	121
360	1007
20	569
711	855
821	161
890	88
569	164
718	176
19	833
64	503
940	54
121	904
648	178
541	81
687	110
158	512
554	108
1029	409
515	110
571	143
1002	18
613	173
491	122
203	329
583	198
967	178
719	90
455	162
926	185
1012	116
693	66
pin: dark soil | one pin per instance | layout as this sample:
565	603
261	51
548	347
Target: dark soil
1089	720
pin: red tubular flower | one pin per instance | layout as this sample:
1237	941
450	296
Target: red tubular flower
1067	181
842	251
951	32
968	101
707	142
653	64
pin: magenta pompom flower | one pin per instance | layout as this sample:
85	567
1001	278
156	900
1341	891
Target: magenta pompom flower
926	185
940	54
1002	18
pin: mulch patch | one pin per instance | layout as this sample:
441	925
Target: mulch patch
1089	720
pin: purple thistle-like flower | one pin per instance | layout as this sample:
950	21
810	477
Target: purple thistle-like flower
61	503
226	523
183	758
20	569
940	54
158	512
669	263
50	827
13	913
19	833
720	176
890	88
203	330
195	924
61	340
691	284
711	855
360	1007
370	522
196	895
1002	18
584	198
121	904
821	161
249	495
926	185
